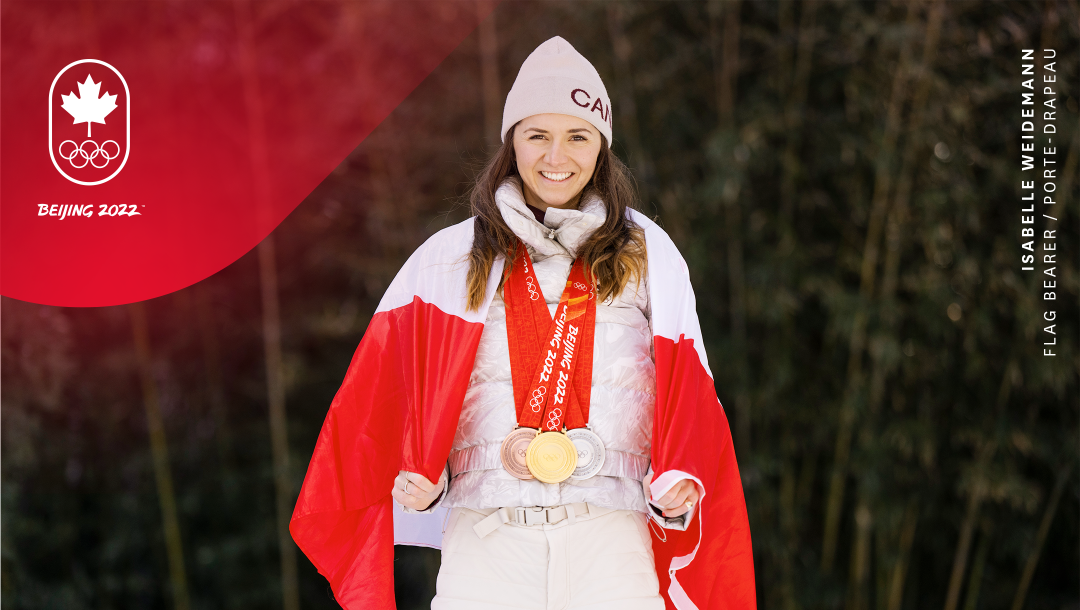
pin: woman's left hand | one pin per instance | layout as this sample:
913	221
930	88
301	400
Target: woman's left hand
415	491
674	501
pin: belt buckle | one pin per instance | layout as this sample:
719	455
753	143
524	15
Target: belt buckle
531	515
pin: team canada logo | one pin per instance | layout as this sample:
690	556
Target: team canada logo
89	122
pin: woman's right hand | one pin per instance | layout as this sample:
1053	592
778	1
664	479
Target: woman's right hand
421	492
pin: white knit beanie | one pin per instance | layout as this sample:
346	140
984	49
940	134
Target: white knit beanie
556	78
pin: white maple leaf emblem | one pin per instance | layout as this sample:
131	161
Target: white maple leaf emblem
88	107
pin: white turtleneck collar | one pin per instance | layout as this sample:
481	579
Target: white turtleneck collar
562	231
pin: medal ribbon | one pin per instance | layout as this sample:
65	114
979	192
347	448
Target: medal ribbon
561	365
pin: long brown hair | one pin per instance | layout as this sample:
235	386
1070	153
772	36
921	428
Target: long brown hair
614	253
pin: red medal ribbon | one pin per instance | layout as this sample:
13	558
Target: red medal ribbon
561	366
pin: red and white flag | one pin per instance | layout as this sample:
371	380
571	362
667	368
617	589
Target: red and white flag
398	409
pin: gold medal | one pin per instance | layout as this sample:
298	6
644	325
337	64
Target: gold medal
551	457
513	452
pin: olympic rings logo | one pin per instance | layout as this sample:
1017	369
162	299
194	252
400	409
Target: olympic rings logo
585	288
537	399
553	418
533	292
88	157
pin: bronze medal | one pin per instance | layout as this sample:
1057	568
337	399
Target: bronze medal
590	452
551	457
513	452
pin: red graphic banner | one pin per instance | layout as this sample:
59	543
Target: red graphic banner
147	145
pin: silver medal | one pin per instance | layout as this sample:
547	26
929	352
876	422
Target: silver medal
590	451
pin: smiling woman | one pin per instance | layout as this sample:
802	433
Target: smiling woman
575	141
546	392
556	155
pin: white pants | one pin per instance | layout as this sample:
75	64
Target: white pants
598	563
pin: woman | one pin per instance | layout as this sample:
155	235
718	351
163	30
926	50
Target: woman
546	464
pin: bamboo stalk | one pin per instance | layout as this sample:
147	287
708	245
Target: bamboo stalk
215	383
978	490
290	590
975	579
899	571
899	211
725	53
737	278
860	558
967	526
789	530
807	475
279	436
785	10
793	114
883	537
640	159
1040	537
897	218
878	209
399	189
159	451
793	89
489	71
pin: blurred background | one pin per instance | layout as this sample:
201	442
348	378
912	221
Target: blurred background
842	178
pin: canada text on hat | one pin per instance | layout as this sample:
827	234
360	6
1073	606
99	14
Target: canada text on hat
555	78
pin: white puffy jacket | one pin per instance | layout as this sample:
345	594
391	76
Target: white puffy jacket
623	382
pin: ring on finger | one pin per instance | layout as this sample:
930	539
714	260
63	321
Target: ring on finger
406	490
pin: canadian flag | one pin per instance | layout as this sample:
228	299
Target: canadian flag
398	409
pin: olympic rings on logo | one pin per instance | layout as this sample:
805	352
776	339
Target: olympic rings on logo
533	292
581	286
537	399
89	157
